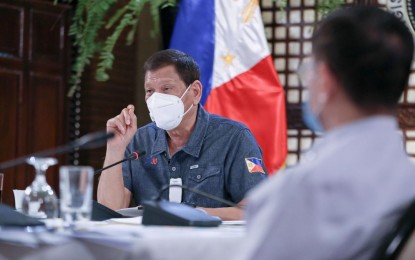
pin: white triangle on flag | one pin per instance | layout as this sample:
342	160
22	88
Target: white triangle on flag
240	41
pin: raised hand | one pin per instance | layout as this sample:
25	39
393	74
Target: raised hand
124	127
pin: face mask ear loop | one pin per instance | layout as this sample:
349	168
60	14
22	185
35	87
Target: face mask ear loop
185	91
187	111
182	97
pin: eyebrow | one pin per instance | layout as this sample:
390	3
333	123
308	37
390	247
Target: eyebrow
159	82
160	79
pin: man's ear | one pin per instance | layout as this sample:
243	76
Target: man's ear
196	90
329	82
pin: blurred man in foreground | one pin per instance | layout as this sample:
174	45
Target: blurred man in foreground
184	145
354	183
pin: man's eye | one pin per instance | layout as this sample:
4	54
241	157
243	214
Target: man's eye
149	91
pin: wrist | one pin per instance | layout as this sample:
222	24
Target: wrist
202	209
114	153
189	204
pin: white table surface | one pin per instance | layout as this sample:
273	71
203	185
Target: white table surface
126	239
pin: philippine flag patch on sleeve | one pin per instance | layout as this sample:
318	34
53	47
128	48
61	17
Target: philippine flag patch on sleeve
254	165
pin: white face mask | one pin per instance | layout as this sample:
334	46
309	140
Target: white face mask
166	110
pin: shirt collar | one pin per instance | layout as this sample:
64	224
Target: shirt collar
378	122
368	124
195	142
338	136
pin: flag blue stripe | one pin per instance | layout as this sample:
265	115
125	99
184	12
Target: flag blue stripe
194	34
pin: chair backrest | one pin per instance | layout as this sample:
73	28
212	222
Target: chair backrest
401	239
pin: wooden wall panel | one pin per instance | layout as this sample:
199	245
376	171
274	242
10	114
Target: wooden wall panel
34	69
45	117
9	102
11	99
43	99
50	26
11	30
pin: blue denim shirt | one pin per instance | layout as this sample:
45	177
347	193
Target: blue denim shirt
217	159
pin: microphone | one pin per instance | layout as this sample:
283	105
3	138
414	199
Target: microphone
88	141
92	140
132	156
158	212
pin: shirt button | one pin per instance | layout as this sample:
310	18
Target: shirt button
173	168
198	177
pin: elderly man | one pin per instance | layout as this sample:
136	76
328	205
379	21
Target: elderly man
184	145
354	183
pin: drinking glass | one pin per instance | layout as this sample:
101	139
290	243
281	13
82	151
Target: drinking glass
18	199
75	183
40	200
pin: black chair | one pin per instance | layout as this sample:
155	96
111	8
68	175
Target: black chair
397	241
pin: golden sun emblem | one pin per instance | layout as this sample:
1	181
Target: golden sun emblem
228	59
249	10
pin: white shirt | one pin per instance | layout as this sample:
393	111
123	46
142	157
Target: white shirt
339	202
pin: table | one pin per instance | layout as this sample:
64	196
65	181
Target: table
128	239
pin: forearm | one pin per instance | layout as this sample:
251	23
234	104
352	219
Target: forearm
111	191
229	213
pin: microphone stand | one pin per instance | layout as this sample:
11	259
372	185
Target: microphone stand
133	156
160	212
85	142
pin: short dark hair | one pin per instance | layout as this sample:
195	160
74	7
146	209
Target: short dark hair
185	65
370	53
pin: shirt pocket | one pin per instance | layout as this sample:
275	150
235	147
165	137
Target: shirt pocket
201	174
208	179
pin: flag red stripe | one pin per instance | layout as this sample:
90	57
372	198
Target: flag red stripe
256	98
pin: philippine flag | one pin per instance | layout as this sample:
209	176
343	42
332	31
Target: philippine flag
227	40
